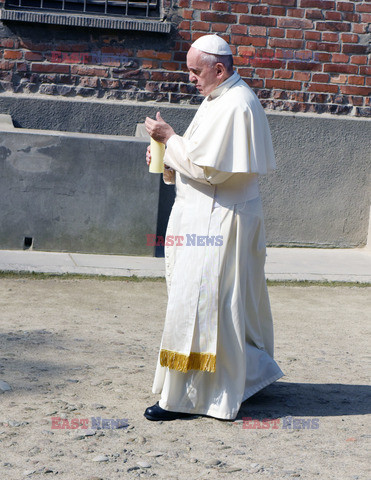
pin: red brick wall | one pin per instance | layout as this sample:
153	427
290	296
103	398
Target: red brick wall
298	55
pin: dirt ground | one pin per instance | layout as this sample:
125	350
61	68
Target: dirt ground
80	351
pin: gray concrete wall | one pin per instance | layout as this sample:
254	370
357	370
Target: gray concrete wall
76	192
319	195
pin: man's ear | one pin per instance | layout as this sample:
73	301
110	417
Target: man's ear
220	69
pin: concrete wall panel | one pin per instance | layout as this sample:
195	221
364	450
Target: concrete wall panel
76	192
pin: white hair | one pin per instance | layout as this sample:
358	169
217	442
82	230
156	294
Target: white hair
212	59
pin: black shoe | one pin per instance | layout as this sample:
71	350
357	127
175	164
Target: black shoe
156	414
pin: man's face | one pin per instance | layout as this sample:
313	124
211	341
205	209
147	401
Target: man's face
206	77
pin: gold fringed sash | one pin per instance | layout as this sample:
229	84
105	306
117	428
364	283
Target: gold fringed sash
183	363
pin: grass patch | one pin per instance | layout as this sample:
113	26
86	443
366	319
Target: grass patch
316	283
134	278
77	276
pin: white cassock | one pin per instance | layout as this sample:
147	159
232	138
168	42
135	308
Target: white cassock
217	344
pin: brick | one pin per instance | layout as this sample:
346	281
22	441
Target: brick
361	29
278	11
354	90
246	40
284	53
12	54
188	14
314	14
247	51
304	55
308	35
240	8
335	16
356	101
312	66
22	67
219	27
205	27
6	42
320	78
286	74
184	25
294	23
299	96
200	5
254	82
340	68
65	47
6	65
283	3
218	17
285	43
330	37
296	12
302	76
256	20
333	26
321	57
148	64
276	32
262	31
88	71
356	80
357	49
321	46
339	79
354	17
259	10
264	72
88	82
245	72
359	59
283	84
170	66
345	6
280	94
184	3
266	63
294	34
339	58
349	38
50	68
220	6
239	29
318	98
321	87
146	54
33	57
322	4
163	56
363	7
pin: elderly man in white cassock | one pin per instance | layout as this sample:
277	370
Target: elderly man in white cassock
217	344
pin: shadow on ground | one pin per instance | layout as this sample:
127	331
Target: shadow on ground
307	399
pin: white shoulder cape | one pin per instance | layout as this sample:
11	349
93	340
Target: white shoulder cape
230	131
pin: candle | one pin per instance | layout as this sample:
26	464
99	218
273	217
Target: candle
157	157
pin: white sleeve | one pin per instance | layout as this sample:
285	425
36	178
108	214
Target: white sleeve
176	158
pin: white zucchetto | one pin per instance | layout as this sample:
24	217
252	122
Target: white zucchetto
212	44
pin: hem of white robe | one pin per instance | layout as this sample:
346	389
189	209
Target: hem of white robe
250	391
215	412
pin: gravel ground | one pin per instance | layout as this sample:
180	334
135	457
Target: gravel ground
82	352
